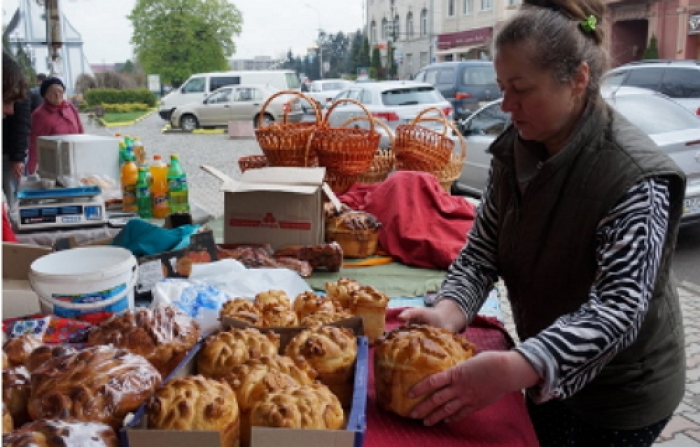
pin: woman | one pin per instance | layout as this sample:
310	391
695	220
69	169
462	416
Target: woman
579	219
55	116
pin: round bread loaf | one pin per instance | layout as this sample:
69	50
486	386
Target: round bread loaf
308	303
306	406
339	291
223	350
196	403
18	348
96	384
162	335
324	318
62	433
272	298
44	353
16	391
279	316
242	309
332	352
408	354
370	304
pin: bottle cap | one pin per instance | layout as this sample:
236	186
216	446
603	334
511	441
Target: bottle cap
156	157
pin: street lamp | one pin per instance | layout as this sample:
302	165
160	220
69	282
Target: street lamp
391	24
320	42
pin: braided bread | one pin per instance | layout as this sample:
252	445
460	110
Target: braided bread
221	351
62	433
18	348
16	390
242	309
308	303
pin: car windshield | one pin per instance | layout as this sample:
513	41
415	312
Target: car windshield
654	114
333	86
410	96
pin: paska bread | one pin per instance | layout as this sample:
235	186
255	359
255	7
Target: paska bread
224	350
408	354
196	403
62	433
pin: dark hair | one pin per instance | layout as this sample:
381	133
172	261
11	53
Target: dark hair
40	77
553	32
48	82
14	84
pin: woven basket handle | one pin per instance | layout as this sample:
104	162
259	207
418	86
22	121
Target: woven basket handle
352	101
449	125
314	105
421	117
376	121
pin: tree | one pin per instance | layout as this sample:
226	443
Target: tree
652	51
376	70
176	38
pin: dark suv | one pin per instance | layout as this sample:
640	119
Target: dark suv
467	85
679	79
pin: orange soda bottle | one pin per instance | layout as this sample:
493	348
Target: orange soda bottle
159	188
129	177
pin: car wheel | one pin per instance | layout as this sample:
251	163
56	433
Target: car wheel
267	120
189	123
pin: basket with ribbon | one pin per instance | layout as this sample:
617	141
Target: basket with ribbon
420	148
383	161
285	143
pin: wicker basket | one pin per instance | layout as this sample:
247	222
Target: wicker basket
252	162
287	144
383	162
420	148
453	168
345	150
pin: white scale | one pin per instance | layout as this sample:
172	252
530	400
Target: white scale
60	208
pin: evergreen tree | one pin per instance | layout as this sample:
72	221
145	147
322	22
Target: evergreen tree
365	60
652	51
376	70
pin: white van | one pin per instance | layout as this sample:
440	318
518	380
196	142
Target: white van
198	86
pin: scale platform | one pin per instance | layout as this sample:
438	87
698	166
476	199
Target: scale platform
60	208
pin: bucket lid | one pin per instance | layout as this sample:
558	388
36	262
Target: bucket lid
83	262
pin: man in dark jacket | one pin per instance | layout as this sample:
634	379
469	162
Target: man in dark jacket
15	141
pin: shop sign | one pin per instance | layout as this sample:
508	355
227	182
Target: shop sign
694	24
462	38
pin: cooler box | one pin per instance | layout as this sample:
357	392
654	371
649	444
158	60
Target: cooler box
78	155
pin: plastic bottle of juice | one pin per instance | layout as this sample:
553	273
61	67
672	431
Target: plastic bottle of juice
139	151
129	177
143	194
159	188
177	187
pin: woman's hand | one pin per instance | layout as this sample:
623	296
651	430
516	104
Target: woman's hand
446	314
471	385
18	169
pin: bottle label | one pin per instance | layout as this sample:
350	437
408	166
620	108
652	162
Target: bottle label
177	184
129	198
160	201
143	191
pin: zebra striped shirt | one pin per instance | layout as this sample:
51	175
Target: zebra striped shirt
572	351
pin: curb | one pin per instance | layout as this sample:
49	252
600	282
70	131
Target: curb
168	129
689	287
125	123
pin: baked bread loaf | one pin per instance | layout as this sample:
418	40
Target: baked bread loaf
332	352
16	390
307	407
324	318
162	335
96	384
357	232
62	433
408	354
272	298
196	403
279	316
44	353
339	291
223	350
308	302
242	309
7	423
18	348
320	256
370	304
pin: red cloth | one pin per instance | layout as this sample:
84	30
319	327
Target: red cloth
422	225
8	235
505	423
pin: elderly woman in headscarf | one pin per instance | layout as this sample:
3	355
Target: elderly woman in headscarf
55	116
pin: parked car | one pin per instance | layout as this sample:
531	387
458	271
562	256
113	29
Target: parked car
236	103
678	79
392	102
324	90
673	128
467	85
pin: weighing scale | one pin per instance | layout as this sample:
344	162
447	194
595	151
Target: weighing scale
60	208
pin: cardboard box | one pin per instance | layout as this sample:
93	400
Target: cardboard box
137	434
276	205
18	298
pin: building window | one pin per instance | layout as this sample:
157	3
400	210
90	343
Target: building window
396	31
486	5
373	32
385	26
424	22
450	8
423	58
467	7
513	2
409	25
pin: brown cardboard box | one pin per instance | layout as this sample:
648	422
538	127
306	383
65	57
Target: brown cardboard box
276	205
137	434
18	298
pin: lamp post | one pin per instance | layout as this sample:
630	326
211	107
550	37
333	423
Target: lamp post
390	41
320	42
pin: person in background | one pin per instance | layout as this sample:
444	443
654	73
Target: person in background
14	91
55	116
579	219
306	85
35	92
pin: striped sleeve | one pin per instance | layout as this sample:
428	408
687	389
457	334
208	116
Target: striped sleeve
629	242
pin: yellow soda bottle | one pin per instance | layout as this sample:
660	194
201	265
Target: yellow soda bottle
159	188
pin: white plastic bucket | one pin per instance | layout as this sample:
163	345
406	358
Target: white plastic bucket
87	283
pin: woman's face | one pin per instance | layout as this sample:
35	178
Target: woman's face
541	109
54	95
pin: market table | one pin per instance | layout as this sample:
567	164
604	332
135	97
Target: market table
505	423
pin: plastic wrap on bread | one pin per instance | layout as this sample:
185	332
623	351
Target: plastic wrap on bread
62	433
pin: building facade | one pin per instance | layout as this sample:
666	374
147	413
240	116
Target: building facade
257	63
426	31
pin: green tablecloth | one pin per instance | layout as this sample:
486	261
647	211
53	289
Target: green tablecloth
395	279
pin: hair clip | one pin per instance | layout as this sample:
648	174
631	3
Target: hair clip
589	24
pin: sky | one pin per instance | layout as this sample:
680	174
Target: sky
270	27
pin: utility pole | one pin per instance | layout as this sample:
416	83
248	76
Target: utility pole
54	40
319	40
390	42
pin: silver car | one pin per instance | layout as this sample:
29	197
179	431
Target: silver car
392	102
672	127
237	103
324	90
